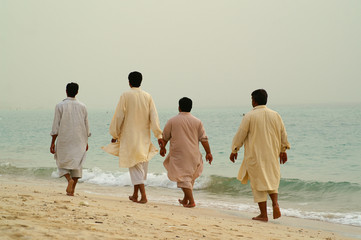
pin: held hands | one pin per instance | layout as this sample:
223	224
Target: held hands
233	157
163	150
283	157
161	143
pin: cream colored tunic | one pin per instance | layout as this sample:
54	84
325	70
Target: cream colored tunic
184	162
134	117
71	125
264	136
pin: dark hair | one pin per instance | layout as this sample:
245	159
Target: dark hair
135	79
260	96
185	104
72	89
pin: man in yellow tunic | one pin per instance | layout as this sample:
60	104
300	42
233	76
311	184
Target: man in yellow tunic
264	137
134	117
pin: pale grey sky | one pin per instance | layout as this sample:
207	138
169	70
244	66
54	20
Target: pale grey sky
215	52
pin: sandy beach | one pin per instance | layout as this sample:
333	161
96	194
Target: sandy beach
39	209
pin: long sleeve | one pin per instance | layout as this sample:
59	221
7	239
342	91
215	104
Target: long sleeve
86	121
56	122
154	120
167	131
284	141
242	132
118	118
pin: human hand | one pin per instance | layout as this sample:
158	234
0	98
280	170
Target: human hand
233	157
283	157
163	151
161	143
52	148
209	158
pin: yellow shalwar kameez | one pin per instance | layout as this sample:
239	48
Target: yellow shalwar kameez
134	117
264	137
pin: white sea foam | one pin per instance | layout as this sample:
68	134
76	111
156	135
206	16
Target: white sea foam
103	178
5	164
55	174
340	218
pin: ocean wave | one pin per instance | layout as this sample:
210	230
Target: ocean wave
290	188
109	178
348	218
7	168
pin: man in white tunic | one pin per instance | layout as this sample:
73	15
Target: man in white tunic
184	162
134	117
70	131
264	137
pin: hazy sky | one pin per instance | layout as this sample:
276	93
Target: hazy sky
215	52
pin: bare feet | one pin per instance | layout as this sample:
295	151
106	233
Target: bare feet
186	203
190	205
260	218
142	201
276	212
133	198
183	202
70	188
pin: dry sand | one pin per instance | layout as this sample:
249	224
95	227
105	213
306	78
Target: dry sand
36	209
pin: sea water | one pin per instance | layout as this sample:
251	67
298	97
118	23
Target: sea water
320	181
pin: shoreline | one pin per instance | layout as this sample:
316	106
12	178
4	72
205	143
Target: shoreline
40	209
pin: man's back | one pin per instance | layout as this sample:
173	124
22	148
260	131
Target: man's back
73	116
137	107
134	116
185	134
265	128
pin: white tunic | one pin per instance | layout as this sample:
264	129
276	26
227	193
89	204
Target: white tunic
71	126
134	117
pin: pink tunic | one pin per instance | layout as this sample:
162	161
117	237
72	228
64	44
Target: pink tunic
184	162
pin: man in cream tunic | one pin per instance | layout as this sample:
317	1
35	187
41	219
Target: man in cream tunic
70	131
264	137
184	162
134	117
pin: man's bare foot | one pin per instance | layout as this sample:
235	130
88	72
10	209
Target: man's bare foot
276	212
183	202
133	198
260	218
70	188
189	205
143	201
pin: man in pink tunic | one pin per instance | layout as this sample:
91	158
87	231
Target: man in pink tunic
184	162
